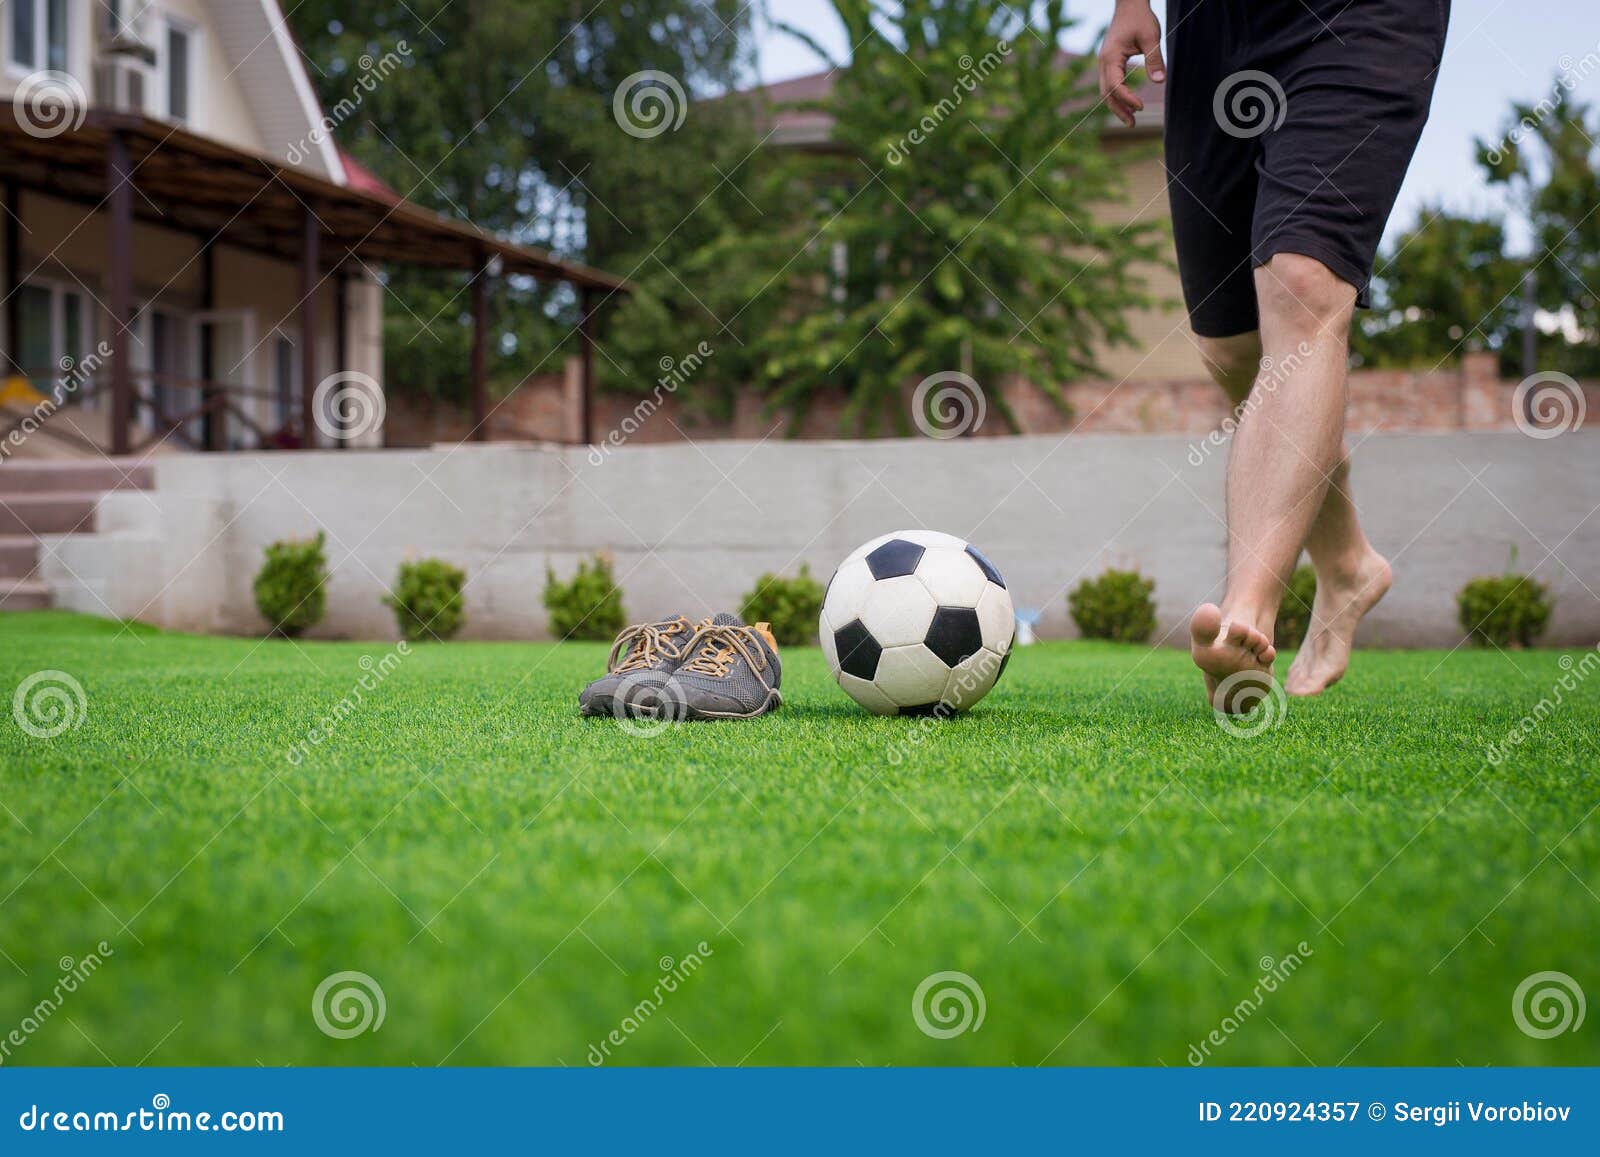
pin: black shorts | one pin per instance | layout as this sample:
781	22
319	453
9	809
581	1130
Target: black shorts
1289	126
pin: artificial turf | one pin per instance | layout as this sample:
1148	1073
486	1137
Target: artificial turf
1111	867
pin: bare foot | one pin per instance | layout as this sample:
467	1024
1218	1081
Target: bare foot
1335	613
1223	648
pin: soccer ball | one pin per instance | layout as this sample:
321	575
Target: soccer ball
917	623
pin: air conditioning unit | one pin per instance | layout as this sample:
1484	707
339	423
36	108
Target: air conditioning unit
123	84
127	31
125	56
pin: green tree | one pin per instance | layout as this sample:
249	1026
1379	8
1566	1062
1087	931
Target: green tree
503	113
1548	160
1445	287
949	225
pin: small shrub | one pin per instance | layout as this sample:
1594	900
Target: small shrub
1508	610
291	586
1117	606
1294	613
427	600
589	606
791	605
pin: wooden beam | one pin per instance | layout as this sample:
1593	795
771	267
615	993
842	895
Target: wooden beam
480	368
341	341
13	279
587	303
119	175
214	435
310	243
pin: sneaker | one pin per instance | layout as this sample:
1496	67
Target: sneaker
731	672
641	659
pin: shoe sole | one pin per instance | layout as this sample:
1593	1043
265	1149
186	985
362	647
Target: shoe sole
607	708
774	701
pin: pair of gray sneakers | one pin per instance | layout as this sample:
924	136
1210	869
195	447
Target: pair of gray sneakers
718	668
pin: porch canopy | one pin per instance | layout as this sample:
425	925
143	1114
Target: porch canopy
136	168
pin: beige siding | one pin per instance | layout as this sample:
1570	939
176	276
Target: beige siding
68	243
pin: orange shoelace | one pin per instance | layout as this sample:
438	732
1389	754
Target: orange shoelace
651	642
719	646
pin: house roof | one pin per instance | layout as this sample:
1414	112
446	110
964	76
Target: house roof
199	185
256	38
797	126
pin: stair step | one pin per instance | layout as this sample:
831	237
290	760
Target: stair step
75	475
59	513
24	596
19	555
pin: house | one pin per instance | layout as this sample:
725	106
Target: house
1164	350
187	261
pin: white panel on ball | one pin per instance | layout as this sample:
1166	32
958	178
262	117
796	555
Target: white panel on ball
848	590
952	576
930	538
911	676
972	679
997	619
830	650
867	695
898	611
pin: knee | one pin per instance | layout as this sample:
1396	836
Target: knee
1303	293
1232	362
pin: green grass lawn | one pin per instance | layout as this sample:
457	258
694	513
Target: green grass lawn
1089	846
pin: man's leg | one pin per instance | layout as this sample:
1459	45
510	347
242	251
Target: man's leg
1351	575
1286	447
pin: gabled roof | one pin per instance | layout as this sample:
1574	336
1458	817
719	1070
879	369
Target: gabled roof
801	127
255	36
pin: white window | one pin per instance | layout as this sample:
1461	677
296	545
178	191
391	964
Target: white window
37	31
180	72
55	330
285	383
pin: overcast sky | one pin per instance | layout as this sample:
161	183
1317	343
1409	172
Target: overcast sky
1498	51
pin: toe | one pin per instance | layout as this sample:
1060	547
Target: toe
1206	624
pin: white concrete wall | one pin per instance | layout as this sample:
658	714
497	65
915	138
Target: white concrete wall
691	527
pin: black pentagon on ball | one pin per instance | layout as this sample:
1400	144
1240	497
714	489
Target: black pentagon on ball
894	558
858	650
954	635
986	566
937	710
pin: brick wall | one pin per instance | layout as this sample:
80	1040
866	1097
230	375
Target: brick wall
545	409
